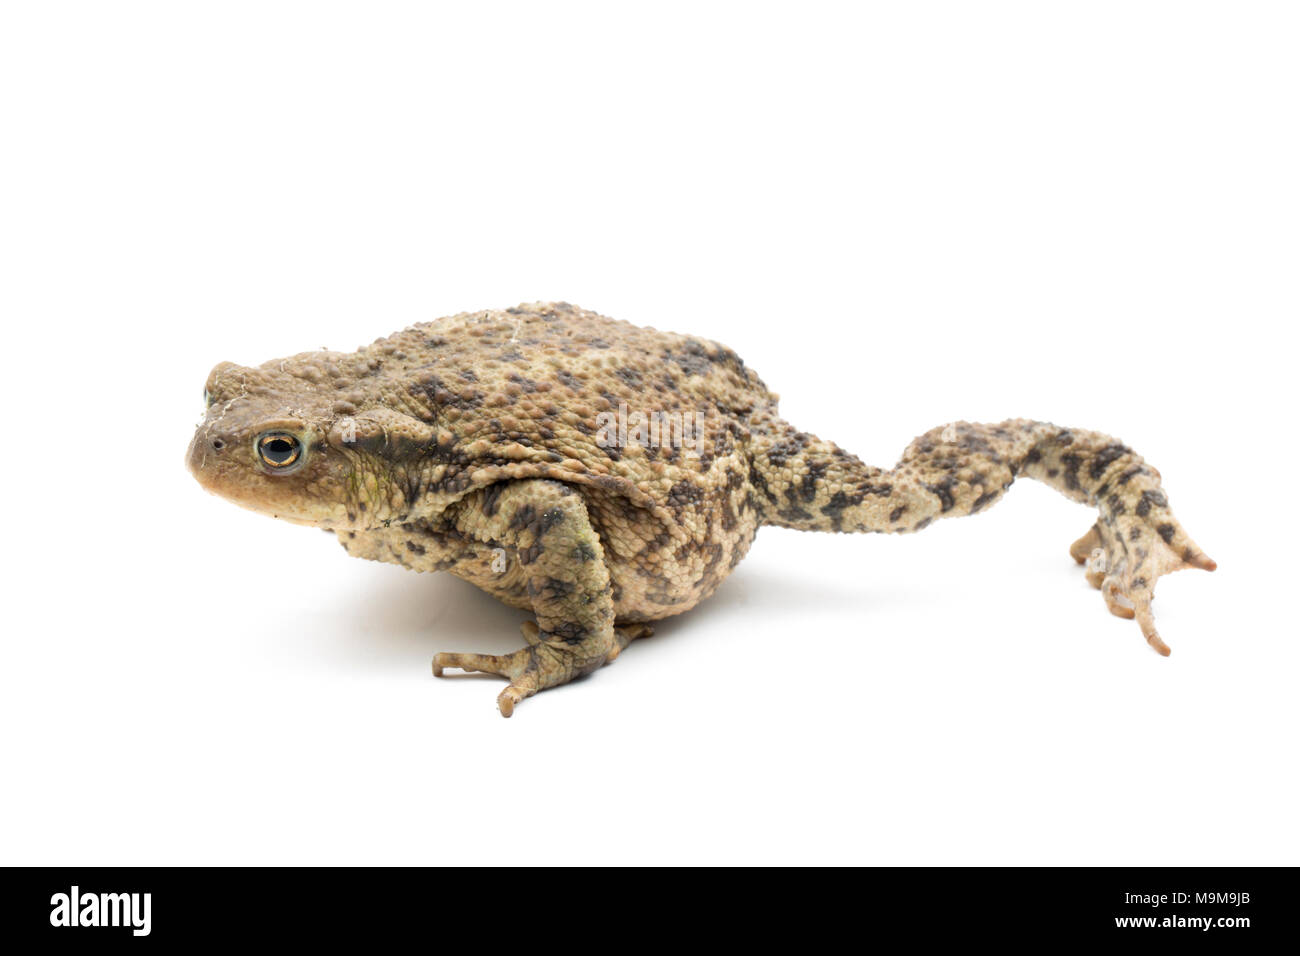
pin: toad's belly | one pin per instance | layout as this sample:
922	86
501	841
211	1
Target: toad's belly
654	573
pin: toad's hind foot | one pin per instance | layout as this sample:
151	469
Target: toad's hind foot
625	634
1123	555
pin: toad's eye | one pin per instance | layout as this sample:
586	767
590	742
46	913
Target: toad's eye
279	450
207	399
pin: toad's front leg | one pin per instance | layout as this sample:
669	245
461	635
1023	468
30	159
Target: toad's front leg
544	526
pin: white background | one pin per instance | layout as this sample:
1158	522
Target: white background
899	214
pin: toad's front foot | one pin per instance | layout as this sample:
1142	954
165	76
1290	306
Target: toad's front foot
1130	547
528	669
539	665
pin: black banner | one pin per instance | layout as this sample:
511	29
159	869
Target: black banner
515	907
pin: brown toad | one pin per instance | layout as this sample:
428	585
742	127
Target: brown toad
606	476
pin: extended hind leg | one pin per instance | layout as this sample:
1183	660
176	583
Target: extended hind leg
1136	538
963	469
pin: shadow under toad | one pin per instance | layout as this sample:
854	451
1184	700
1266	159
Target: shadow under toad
397	621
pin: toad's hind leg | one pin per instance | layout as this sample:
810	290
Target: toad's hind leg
964	468
544	526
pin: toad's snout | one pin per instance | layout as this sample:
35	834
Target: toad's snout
206	451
